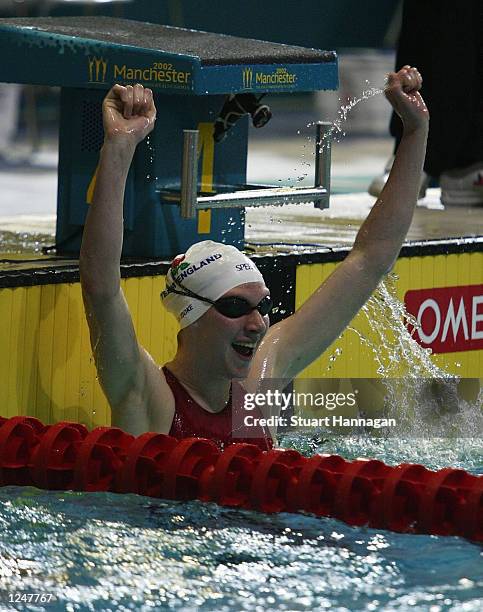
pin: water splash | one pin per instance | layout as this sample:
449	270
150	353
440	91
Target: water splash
345	109
435	425
384	311
423	397
335	134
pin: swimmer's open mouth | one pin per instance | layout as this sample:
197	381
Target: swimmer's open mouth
244	349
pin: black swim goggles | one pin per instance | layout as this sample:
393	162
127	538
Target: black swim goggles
231	307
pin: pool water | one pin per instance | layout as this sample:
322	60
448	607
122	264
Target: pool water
103	551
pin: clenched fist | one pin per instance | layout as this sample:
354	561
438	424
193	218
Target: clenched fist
128	112
402	91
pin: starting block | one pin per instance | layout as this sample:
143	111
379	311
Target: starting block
188	179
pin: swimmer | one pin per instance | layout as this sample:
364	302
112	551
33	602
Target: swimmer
218	295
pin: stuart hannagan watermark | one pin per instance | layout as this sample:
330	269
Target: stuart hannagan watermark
414	407
274	408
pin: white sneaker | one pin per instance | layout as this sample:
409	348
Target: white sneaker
463	187
378	182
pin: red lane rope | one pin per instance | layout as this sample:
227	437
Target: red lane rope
407	498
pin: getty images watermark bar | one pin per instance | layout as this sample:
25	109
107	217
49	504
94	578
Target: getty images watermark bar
410	407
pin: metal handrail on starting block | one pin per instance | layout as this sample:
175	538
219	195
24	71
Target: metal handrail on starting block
191	202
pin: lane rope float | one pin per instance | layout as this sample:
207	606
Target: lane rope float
407	498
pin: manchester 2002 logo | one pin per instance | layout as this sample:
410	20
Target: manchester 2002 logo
247	74
97	70
279	78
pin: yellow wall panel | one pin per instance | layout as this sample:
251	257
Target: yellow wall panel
46	353
357	358
440	264
464	270
451	275
87	374
164	327
145	309
5	314
427	271
31	349
155	345
61	315
17	334
73	360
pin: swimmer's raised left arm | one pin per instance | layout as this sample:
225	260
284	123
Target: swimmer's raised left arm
294	343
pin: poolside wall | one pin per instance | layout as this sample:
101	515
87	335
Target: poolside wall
46	365
348	357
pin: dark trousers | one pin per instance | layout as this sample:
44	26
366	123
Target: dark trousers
443	39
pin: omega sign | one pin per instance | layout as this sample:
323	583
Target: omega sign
450	318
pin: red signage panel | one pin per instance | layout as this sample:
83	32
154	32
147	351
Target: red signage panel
450	318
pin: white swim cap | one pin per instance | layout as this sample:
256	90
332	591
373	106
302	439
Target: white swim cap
209	269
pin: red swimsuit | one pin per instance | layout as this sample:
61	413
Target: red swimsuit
191	420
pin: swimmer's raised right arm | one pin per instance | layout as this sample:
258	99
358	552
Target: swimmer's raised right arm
123	366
